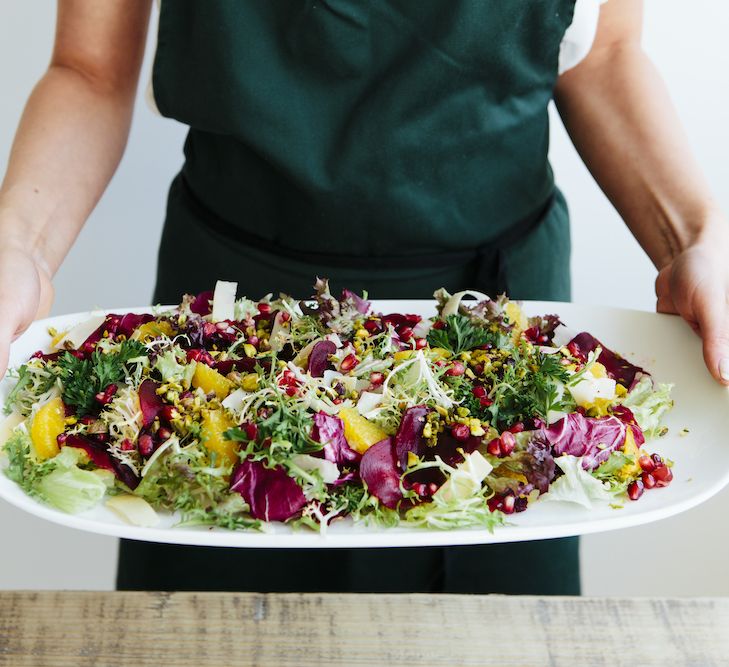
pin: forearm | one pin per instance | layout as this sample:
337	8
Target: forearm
621	120
68	144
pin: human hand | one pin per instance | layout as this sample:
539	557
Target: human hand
695	285
26	293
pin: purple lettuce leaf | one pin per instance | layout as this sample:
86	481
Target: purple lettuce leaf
329	431
378	470
270	493
593	438
358	303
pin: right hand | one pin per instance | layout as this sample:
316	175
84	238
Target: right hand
26	293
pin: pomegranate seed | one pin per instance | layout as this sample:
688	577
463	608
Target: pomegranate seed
405	333
494	503
102	437
264	308
507	505
508	442
575	351
377	378
635	489
457	368
478	369
517	428
61	438
440	363
439	324
646	463
419	488
126	445
543	339
145	444
348	363
373	326
168	413
531	334
420	343
337	401
253	340
284	316
164	434
479	392
460	432
663	475
485	402
432	488
494	447
648	480
291	391
656	459
200	355
87	419
251	430
104	397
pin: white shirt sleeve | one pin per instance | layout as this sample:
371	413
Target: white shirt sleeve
579	37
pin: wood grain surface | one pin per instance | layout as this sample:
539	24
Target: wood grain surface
77	629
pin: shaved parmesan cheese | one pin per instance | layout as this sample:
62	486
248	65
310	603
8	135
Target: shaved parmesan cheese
234	401
451	307
78	334
465	481
588	389
368	401
224	301
327	469
133	510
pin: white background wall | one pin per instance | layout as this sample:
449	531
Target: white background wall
113	264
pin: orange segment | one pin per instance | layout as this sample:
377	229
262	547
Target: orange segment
210	381
48	423
214	424
359	431
150	330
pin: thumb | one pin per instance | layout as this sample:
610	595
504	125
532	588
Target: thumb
713	320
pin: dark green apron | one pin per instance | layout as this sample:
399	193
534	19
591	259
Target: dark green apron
396	146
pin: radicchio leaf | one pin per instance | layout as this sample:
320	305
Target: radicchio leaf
619	369
270	493
360	304
593	438
329	431
378	470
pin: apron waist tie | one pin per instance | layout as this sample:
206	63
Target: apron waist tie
490	257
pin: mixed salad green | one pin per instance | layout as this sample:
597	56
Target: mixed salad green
233	412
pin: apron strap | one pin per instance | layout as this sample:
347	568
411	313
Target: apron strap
490	258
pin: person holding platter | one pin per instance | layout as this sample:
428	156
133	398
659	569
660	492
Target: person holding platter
392	146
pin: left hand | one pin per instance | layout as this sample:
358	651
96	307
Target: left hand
695	285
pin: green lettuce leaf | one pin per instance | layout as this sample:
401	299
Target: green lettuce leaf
649	404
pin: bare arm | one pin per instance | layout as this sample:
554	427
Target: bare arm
67	147
620	117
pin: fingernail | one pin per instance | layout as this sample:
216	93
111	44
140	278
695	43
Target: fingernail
724	369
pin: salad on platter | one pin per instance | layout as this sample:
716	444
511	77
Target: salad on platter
234	413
